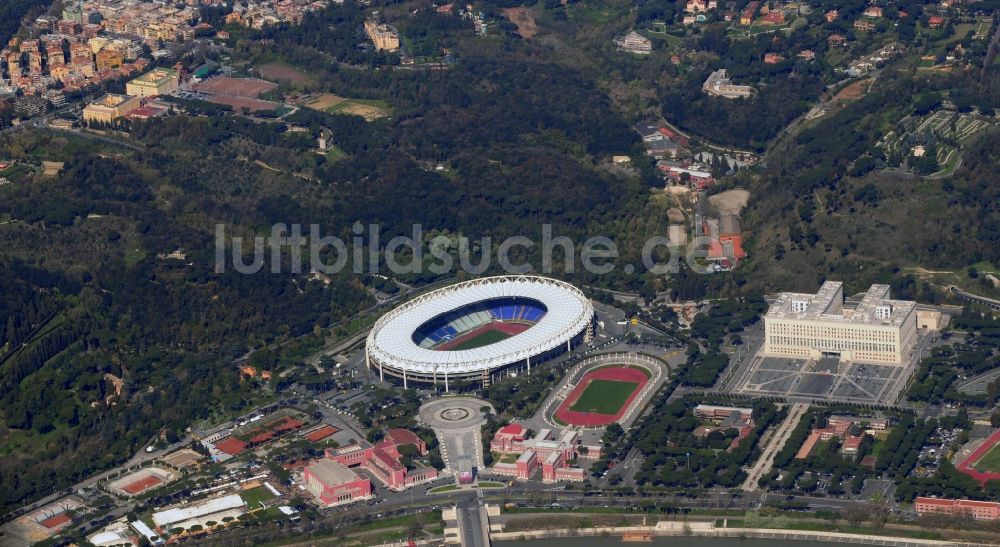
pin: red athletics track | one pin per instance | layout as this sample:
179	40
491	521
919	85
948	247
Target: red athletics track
593	419
506	328
966	465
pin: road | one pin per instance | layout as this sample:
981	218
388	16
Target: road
777	442
979	383
473	523
975	298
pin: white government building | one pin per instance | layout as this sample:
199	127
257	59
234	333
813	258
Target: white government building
813	326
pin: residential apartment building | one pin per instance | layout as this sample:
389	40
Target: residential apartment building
812	326
719	84
634	42
385	37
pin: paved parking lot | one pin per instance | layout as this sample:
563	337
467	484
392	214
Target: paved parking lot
826	379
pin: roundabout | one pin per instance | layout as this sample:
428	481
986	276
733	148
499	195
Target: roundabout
454	413
457	422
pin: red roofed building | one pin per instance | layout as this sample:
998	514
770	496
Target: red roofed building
979	510
836	40
550	449
773	18
394	438
334	484
873	12
507	436
746	17
772	58
383	459
935	21
832	15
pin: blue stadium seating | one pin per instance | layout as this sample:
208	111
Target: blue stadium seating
449	326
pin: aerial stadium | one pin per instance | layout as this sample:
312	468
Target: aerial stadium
478	330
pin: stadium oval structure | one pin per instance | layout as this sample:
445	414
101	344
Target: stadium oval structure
434	337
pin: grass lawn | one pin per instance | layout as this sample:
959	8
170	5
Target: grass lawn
344	107
491	484
603	396
990	462
16	172
596	14
508	458
254	496
484	339
334	153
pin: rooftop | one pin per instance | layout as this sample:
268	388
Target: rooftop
157	75
111	100
876	308
171	516
330	472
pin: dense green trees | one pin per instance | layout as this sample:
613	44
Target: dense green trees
13	11
674	457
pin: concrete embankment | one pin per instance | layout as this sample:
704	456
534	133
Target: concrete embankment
706	529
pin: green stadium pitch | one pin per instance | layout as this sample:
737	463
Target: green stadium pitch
990	462
603	396
484	339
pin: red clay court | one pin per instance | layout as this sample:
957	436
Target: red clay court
231	446
967	463
320	434
237	92
614	374
58	520
142	484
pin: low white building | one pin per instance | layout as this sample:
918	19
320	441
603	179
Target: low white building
634	42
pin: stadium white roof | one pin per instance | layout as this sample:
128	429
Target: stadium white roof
391	339
172	516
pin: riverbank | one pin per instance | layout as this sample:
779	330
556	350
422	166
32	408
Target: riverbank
709	530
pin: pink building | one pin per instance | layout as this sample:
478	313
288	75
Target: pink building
979	510
334	484
550	450
383	459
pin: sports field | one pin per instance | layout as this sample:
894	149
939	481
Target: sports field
603	396
254	496
984	462
142	484
480	340
369	109
990	462
483	336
